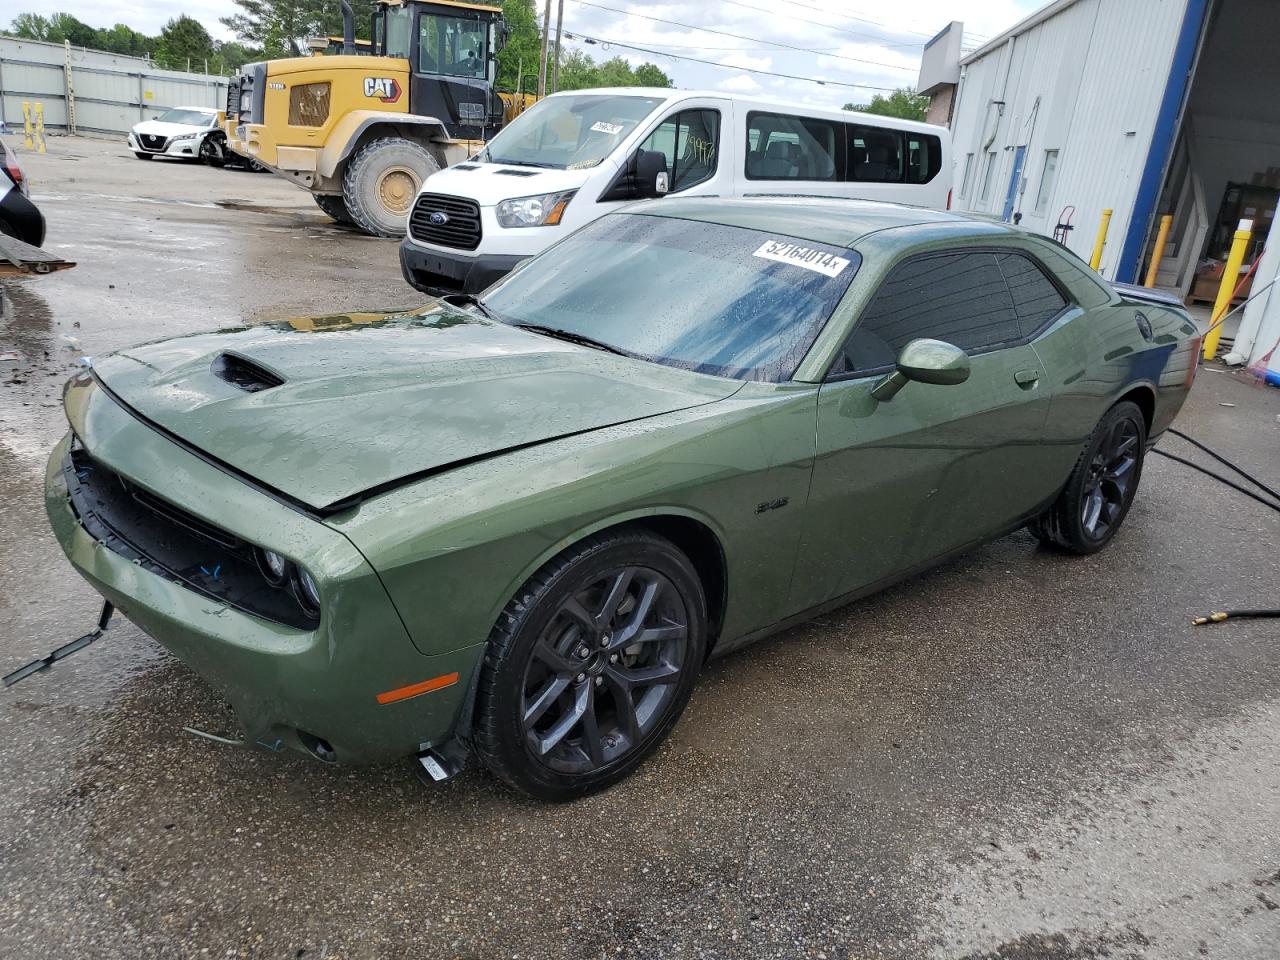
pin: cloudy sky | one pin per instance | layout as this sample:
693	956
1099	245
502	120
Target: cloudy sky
840	41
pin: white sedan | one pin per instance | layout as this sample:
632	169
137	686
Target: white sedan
190	133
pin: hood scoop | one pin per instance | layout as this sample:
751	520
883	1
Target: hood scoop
244	373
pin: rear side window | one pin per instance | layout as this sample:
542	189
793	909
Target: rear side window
961	298
878	155
1035	299
782	147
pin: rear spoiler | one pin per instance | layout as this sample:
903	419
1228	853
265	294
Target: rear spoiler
1161	298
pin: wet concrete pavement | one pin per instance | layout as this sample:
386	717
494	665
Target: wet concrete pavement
1019	755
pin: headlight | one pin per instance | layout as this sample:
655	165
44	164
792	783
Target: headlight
544	210
308	591
273	566
185	136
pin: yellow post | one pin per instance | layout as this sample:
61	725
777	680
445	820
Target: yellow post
1230	279
1096	260
27	127
1162	239
40	127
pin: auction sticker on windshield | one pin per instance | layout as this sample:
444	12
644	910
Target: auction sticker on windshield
601	126
819	261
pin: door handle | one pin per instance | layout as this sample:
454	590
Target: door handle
1027	378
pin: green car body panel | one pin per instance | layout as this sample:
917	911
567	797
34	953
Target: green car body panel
423	465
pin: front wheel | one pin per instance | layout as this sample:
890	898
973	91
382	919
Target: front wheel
334	207
213	150
1100	491
590	665
381	182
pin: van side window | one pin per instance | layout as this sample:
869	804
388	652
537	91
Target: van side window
875	154
962	298
782	147
690	140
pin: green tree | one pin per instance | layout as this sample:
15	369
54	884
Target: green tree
282	27
518	60
232	56
905	104
579	72
185	44
125	40
648	75
29	26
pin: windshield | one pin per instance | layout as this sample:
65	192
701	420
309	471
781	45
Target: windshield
570	133
197	118
700	296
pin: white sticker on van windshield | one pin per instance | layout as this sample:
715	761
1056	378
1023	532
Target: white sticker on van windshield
798	256
613	129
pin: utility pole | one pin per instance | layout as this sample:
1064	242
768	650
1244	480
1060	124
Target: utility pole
555	70
546	43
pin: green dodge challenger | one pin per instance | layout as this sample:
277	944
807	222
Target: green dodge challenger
514	527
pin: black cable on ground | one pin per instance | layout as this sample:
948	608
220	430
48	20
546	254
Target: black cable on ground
1219	477
1234	615
1223	460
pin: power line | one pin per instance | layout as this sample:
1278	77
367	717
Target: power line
738	36
725	66
828	26
846	16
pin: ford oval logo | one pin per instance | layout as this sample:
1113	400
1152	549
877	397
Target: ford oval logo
439	218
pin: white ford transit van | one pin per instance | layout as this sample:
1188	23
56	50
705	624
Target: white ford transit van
574	156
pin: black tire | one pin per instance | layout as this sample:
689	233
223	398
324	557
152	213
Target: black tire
1091	508
381	182
142	156
333	206
213	150
622	614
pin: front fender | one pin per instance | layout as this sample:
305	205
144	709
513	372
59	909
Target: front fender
352	128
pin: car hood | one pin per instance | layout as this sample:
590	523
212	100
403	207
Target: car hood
161	129
489	184
328	410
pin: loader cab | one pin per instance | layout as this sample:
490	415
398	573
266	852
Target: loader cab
452	50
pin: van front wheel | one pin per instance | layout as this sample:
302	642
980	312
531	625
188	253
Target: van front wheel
381	183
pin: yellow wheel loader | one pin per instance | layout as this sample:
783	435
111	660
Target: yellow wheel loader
363	129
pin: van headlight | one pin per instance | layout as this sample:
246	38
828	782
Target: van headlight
544	210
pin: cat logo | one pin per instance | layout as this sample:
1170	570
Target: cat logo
386	89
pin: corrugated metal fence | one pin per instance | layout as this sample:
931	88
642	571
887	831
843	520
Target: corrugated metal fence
86	91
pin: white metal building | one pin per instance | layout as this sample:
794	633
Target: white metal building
1144	107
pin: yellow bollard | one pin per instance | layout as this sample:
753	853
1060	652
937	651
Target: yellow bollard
40	147
1230	280
27	128
1162	239
1096	260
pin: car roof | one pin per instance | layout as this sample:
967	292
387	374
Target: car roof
832	220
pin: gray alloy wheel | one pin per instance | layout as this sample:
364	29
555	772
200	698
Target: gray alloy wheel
590	665
1100	491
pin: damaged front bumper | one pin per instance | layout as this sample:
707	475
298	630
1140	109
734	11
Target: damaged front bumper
314	689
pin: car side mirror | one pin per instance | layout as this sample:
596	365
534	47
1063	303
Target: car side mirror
651	176
924	361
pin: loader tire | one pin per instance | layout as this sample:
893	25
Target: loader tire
381	182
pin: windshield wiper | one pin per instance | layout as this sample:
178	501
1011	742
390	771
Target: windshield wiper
471	300
579	338
526	163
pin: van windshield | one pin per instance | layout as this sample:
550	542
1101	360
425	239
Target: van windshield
569	133
708	297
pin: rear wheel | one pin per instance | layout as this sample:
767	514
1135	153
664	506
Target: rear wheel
381	182
1100	491
590	665
334	207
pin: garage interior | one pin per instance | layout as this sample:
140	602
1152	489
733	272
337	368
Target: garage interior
1225	165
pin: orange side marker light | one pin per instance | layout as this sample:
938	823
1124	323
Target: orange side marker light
417	689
